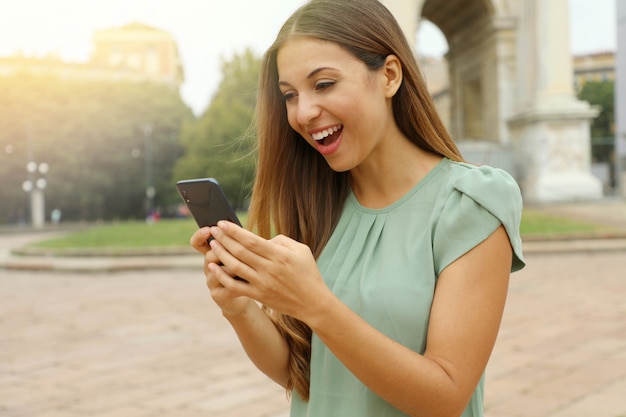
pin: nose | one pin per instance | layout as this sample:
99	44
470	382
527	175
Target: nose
307	109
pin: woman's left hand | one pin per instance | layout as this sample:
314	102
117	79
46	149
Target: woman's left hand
280	273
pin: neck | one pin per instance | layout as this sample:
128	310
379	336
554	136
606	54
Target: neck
384	180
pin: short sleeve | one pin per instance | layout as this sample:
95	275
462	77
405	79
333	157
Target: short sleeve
481	200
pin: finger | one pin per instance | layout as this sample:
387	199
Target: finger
212	281
231	264
286	242
199	240
212	275
216	289
244	245
220	279
210	256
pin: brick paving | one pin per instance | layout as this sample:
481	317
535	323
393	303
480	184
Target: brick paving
151	342
124	344
561	351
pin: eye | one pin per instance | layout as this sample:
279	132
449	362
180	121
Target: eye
289	95
323	85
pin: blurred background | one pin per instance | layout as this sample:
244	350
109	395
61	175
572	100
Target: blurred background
104	105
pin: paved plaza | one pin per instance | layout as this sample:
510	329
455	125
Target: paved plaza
151	343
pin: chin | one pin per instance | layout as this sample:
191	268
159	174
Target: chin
339	166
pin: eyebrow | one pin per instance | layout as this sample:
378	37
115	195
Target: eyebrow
311	74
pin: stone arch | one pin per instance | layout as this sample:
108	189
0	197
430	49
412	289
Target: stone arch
472	34
511	90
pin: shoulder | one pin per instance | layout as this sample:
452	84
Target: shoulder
473	202
478	179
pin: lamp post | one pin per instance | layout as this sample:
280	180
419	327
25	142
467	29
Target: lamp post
146	129
35	186
150	190
147	154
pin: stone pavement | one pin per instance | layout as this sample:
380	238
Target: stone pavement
561	351
139	342
122	344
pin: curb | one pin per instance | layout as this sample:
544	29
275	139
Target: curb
101	264
574	246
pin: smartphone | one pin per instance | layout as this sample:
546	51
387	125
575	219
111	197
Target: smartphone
206	201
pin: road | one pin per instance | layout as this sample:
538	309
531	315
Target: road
146	343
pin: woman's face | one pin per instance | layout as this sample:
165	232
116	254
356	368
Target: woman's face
334	101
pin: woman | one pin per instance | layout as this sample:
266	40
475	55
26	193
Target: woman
384	287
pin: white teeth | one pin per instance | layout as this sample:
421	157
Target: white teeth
325	133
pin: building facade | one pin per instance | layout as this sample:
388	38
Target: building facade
134	52
593	67
139	49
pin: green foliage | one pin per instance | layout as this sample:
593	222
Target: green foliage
220	143
601	93
88	131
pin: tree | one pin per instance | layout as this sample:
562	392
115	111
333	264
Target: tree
602	93
220	143
88	132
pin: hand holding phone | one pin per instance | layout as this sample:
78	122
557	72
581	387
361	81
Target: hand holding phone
207	203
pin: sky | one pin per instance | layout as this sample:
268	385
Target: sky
208	31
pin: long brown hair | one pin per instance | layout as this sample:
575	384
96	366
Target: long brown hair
295	192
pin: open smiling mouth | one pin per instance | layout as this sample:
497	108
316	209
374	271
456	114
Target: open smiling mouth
328	136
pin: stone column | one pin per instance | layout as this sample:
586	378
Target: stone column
551	128
620	95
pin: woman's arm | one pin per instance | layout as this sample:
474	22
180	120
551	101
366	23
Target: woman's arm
262	342
465	318
258	335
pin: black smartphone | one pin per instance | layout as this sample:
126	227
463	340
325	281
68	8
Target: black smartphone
206	201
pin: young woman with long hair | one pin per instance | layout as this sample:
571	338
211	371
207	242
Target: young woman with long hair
377	261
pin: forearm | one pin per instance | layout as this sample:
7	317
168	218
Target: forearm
262	342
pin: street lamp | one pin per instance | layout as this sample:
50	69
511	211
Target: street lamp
35	186
147	129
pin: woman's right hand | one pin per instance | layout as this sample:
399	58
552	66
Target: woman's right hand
231	305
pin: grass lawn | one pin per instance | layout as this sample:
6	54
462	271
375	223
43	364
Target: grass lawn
537	223
176	232
128	234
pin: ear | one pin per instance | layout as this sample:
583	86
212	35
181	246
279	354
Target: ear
392	70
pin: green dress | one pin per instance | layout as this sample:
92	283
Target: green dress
384	265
